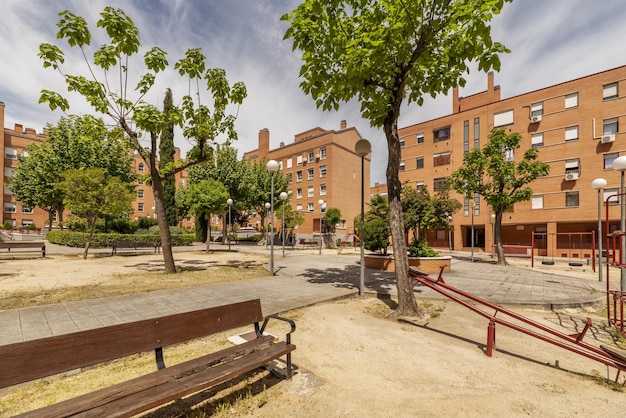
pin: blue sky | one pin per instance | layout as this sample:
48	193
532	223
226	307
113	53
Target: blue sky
551	41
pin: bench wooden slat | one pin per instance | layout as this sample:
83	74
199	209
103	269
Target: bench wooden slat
146	383
24	361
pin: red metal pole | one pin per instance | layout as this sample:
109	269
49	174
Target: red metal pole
491	337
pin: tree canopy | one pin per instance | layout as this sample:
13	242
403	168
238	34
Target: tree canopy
108	87
381	52
493	173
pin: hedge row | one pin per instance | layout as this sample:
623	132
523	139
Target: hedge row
79	239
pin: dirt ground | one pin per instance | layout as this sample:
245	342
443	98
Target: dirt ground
353	361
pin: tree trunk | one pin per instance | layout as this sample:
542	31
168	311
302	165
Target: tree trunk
208	232
498	234
407	305
164	228
88	243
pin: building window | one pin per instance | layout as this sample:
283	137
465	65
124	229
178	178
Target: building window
420	162
571	199
10	153
610	126
466	206
27	211
438	182
323	189
140	167
299	159
311	156
402	142
322	171
509	155
572	166
503	118
420	138
465	137
609	91
476	204
476	132
310	191
441	134
310	207
441	159
310	173
299	206
289	162
401	168
571	100
289	177
608	160
8	171
537	202
299	193
10	207
571	133
537	140
341	224
536	109
419	183
299	176
611	195
140	194
139	207
323	153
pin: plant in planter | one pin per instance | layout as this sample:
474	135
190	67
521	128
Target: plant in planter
420	248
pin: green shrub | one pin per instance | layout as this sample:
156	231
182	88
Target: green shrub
154	229
8	225
78	239
252	238
420	248
376	235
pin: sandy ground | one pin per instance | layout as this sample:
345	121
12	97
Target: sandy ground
353	361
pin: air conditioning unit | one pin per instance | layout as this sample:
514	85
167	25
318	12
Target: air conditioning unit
536	119
607	138
571	176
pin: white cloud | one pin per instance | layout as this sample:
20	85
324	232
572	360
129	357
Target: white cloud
551	42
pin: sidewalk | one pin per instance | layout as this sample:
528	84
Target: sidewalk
303	278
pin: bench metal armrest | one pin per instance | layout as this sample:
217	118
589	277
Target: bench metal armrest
280	318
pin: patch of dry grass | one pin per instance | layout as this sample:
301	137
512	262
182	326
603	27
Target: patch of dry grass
129	283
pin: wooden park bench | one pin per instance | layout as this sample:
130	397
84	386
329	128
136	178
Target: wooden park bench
23	247
135	246
29	360
309	242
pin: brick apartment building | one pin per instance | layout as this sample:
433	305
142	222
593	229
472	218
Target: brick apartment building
577	127
16	141
321	165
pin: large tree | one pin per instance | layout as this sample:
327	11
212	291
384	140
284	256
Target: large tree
166	161
109	88
75	142
493	173
423	211
381	52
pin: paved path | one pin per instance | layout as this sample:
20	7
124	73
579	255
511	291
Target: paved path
303	278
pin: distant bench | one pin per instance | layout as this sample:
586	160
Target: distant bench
309	242
135	246
23	247
29	360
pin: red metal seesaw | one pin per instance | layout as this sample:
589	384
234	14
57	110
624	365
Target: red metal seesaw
573	342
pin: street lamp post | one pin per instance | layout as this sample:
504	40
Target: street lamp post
229	202
283	196
493	233
267	215
472	206
362	148
272	167
599	184
619	164
321	203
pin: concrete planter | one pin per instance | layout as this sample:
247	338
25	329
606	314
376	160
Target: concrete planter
426	264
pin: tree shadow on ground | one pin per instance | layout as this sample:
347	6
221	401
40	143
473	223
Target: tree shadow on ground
349	278
193	265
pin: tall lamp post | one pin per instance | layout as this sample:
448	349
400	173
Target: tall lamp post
272	167
599	184
362	148
322	204
229	202
267	214
472	206
619	164
283	196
